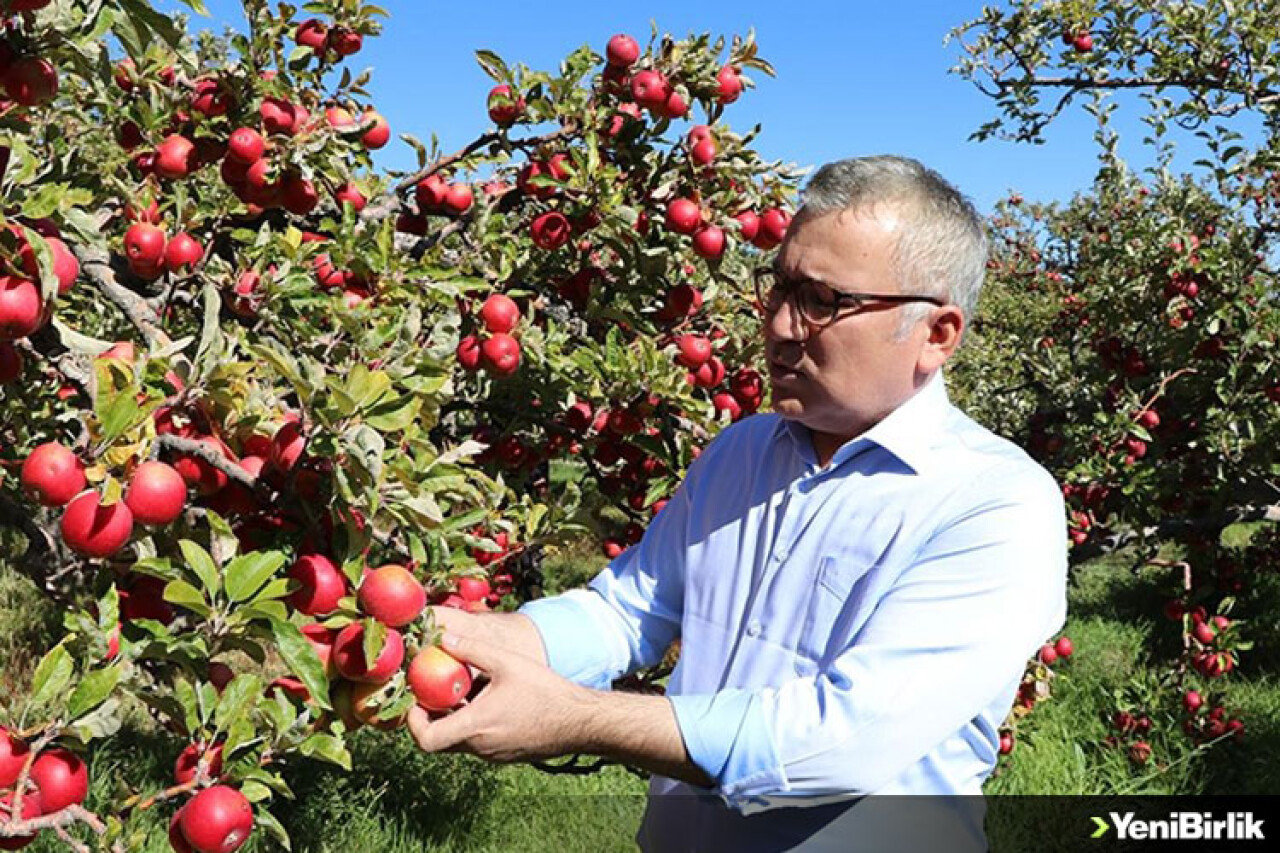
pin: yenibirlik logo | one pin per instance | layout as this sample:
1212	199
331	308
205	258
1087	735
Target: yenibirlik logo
1183	826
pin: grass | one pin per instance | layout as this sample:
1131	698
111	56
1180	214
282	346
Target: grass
397	799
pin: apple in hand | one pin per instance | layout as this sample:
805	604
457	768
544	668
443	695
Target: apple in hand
438	680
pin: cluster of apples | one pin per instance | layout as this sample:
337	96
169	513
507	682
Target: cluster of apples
496	350
57	778
54	476
651	89
391	595
328	42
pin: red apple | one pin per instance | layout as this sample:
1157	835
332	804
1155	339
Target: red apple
650	89
31	81
312	33
703	152
279	115
348	655
287	446
13	755
184	770
65	265
438	680
206	479
729	84
550	230
52	474
157	493
348	194
21	309
32	807
683	215
246	145
500	313
622	51
144	244
93	529
217	820
175	157
458	198
321	585
773	227
182	253
379	134
473	589
62	779
505	107
430	193
299	195
500	354
392	595
695	351
468	353
708	242
344	41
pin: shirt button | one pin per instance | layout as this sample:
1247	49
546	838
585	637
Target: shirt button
782	555
754	629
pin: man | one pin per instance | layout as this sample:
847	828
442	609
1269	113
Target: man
857	580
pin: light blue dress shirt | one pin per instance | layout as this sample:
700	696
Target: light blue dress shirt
859	628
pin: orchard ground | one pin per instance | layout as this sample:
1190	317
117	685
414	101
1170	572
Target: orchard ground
398	800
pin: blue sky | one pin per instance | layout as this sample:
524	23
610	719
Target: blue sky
853	78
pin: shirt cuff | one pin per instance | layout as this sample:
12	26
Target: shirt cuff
569	638
727	737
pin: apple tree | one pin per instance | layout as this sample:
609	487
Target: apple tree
1129	336
260	403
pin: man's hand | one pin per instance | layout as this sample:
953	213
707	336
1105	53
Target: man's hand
525	711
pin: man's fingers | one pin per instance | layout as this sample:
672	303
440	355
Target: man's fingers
451	619
478	652
436	735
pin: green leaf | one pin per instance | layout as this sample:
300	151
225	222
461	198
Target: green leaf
209	352
185	692
1241	534
201	562
92	691
247	573
393	415
236	700
53	674
327	748
276	589
302	660
375	637
109	610
274	828
118	412
185	595
493	65
147	19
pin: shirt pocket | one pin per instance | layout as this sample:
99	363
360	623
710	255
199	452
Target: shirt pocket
830	600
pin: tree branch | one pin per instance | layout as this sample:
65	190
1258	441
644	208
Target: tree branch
97	265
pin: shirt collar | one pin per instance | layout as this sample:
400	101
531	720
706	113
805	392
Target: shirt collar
908	432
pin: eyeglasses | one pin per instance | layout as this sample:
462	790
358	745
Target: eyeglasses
818	304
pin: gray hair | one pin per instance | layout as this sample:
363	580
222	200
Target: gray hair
943	250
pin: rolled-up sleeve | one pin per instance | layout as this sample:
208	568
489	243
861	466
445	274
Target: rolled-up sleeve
944	642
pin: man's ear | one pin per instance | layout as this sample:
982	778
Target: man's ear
946	326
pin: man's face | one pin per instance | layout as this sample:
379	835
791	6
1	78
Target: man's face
840	380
